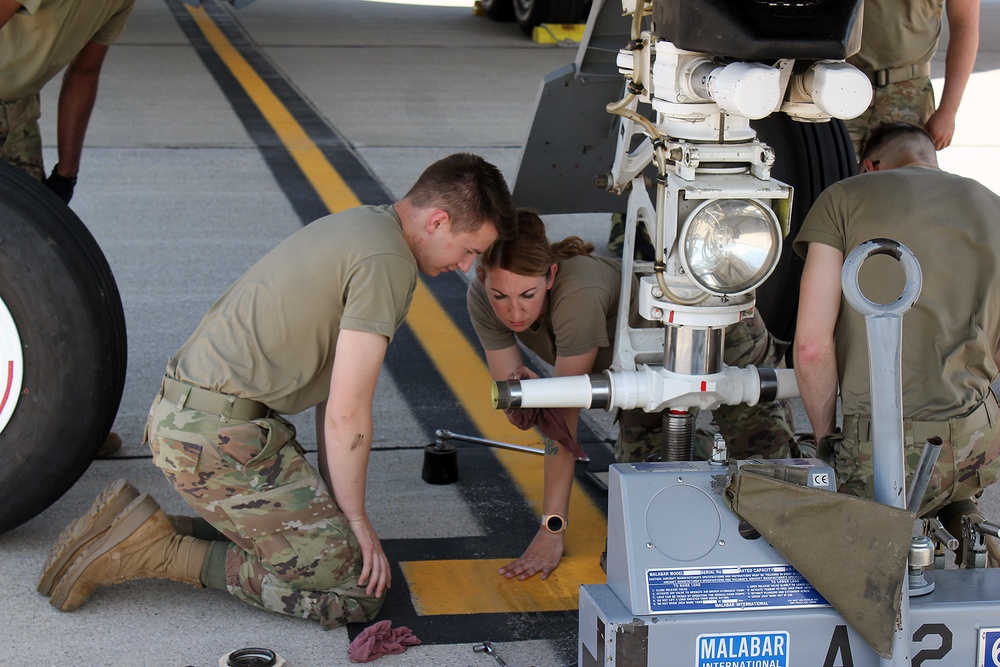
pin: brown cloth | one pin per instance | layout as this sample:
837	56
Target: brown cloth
380	639
551	424
853	551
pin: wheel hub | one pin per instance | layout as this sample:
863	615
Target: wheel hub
11	366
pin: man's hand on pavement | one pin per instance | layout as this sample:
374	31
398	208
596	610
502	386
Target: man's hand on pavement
375	573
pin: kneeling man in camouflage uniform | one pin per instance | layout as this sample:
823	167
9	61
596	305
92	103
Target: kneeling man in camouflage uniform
307	325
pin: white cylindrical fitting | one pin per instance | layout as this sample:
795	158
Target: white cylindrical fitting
839	90
753	385
576	391
746	89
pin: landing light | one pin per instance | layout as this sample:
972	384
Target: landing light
730	246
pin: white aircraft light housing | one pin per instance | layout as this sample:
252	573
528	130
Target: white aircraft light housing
746	89
730	246
840	90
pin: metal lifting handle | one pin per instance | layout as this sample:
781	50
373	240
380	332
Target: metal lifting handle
883	323
911	269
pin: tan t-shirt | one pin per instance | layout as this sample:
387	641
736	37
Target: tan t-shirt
581	313
45	35
897	33
272	336
952	225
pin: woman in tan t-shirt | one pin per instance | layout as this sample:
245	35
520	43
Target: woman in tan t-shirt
518	276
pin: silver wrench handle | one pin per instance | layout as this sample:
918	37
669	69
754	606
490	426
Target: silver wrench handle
884	326
852	266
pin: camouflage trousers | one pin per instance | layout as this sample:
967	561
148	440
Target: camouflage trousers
969	461
292	549
765	430
20	137
907	101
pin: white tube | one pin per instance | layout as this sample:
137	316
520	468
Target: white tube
576	391
649	388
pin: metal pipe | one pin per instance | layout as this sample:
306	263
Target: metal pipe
922	475
692	350
442	435
940	534
988	528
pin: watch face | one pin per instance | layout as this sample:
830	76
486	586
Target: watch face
555	523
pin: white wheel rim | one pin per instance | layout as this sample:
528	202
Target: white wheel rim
11	366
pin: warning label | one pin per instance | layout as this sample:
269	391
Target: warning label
729	588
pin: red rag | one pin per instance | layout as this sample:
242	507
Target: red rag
380	639
550	423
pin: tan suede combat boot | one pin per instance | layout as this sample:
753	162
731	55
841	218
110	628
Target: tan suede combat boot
79	534
140	544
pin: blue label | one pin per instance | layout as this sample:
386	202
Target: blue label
756	649
729	588
989	645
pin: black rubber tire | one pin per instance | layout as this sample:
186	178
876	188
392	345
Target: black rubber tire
810	157
531	13
498	10
65	305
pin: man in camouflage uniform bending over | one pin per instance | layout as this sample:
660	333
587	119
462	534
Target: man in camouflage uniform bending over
308	325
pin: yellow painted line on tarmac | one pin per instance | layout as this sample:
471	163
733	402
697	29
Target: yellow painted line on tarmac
473	587
447	587
332	189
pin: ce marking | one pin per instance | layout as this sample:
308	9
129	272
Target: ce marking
820	479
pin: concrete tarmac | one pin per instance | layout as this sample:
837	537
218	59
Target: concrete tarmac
183	193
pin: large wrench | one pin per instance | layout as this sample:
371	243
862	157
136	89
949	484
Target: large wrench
884	327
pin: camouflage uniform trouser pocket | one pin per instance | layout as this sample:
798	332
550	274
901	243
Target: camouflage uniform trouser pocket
20	137
293	551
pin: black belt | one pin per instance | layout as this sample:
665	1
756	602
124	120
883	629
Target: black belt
227	406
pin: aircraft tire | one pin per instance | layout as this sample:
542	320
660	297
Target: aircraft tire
63	348
810	158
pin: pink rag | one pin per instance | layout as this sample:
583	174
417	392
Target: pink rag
550	423
378	640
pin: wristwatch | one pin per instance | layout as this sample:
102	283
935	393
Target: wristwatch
554	523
